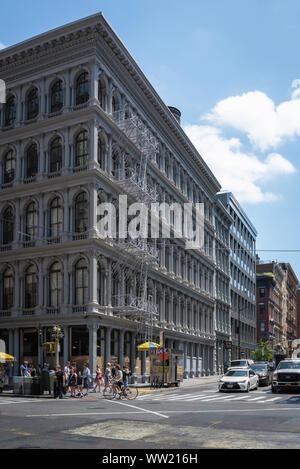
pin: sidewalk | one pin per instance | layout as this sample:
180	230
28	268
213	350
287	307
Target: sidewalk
142	387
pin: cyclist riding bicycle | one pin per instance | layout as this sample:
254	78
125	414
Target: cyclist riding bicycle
118	378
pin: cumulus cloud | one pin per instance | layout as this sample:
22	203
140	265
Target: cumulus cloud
243	173
254	113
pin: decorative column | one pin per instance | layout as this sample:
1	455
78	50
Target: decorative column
93	232
66	331
121	347
16	353
93	328
192	371
133	357
185	373
107	345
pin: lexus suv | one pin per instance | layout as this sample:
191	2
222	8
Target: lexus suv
287	375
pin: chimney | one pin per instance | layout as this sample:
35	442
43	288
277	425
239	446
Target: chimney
176	113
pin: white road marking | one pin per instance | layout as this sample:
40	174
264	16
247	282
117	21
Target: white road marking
256	398
274	399
140	408
217	398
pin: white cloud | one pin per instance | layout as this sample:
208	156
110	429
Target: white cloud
240	172
2	46
255	114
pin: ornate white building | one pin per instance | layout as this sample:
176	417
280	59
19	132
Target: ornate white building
81	126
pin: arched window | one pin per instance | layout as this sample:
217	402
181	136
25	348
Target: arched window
81	213
102	93
82	88
9	167
56	97
81	282
8	226
32	162
101	151
55	155
31	222
10	111
8	289
81	148
32	104
31	287
55	285
56	218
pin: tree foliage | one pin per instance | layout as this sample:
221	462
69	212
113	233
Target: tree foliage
263	353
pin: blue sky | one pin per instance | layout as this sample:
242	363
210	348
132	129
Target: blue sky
231	67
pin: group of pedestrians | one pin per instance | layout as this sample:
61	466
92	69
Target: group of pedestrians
78	383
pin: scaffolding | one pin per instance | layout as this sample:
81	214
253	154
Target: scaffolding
132	300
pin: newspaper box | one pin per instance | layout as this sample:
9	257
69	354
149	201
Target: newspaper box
166	367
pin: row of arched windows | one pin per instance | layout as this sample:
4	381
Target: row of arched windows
31	165
55	219
32	102
54	287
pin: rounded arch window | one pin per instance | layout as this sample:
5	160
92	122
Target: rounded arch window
56	97
10	111
32	104
81	213
82	88
31	222
32	161
81	282
55	285
8	289
56	218
81	148
31	287
9	167
8	226
55	159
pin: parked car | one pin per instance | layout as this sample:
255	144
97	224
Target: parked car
238	379
263	372
287	375
245	362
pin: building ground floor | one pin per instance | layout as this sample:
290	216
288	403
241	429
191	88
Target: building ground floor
99	341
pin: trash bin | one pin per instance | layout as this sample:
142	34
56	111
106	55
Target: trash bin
45	382
27	385
18	387
36	386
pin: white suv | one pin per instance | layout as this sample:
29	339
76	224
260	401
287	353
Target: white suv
287	375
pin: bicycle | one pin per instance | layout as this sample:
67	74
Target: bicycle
111	391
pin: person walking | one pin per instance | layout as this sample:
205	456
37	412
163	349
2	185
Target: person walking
126	374
59	383
72	382
86	375
24	369
107	374
98	380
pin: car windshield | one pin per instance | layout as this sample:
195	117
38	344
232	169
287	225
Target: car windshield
239	363
259	367
237	373
288	365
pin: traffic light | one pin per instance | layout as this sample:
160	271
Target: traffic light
49	347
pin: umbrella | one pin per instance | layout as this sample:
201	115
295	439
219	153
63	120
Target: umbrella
4	357
148	346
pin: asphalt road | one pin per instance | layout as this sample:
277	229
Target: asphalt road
187	418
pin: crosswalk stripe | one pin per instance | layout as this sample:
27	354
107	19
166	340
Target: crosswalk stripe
257	398
274	399
217	398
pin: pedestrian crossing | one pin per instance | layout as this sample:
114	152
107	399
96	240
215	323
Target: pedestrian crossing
210	396
19	400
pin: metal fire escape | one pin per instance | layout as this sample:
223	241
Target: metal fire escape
135	255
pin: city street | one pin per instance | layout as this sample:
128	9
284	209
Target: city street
195	417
